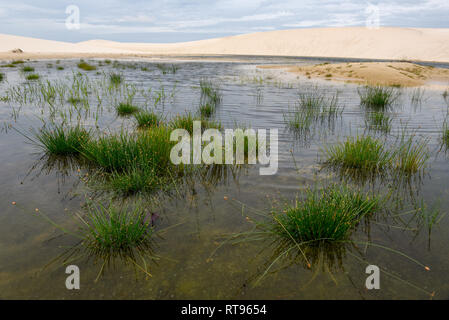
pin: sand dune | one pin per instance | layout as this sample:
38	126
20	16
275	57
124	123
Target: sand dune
356	42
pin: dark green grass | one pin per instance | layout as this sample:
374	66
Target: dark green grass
122	151
86	67
210	93
125	109
206	110
116	230
330	214
115	79
2	77
33	76
18	62
362	152
147	119
378	97
62	140
9	65
27	69
60	68
130	163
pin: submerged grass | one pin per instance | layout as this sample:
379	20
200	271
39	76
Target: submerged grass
378	97
115	79
379	120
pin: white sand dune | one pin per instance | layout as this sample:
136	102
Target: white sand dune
354	42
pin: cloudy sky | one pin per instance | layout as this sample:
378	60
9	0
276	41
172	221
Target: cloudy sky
185	20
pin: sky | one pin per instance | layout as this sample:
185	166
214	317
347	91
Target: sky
187	20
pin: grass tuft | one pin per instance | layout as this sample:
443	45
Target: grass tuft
86	67
33	76
326	215
378	97
27	69
113	230
125	109
362	152
62	140
147	119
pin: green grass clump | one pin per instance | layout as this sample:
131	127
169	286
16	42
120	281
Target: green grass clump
330	214
186	122
133	162
147	119
60	68
9	65
123	151
33	76
86	67
113	230
410	155
378	97
2	77
27	69
17	62
62	140
115	79
206	110
124	109
362	152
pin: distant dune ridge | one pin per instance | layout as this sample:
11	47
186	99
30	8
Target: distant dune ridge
353	42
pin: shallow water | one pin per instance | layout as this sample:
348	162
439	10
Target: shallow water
193	262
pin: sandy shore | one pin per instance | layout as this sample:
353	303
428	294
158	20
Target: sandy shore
373	73
354	42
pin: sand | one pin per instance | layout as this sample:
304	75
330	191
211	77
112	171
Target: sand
355	42
403	74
